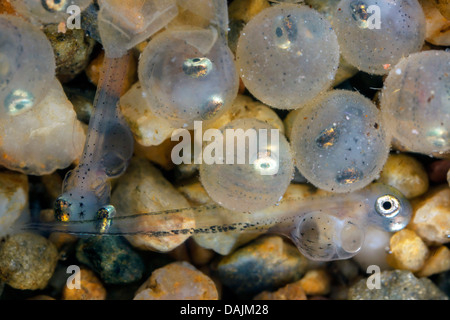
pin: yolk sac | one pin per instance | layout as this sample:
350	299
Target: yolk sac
48	11
189	74
287	55
375	34
253	179
415	102
27	65
339	141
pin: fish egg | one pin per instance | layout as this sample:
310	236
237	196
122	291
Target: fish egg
287	55
186	81
375	34
416	102
251	176
49	11
339	141
27	65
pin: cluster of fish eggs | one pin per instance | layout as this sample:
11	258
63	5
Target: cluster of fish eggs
287	57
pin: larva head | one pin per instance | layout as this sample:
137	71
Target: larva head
389	210
76	220
76	206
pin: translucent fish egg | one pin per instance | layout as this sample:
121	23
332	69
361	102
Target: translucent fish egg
49	11
187	79
27	65
339	141
416	102
287	55
255	175
375	34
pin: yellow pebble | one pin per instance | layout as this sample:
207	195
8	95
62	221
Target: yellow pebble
316	282
431	216
438	262
90	288
407	251
245	10
437	25
292	291
406	174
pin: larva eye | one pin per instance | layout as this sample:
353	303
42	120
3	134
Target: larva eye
62	210
387	206
103	218
54	5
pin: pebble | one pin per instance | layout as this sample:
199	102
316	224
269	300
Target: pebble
143	189
91	288
439	261
160	154
177	281
72	50
6	7
444	7
111	258
245	10
431	215
292	291
397	285
13	199
199	256
49	135
265	264
27	261
437	26
406	174
147	128
246	107
316	282
438	170
407	251
82	101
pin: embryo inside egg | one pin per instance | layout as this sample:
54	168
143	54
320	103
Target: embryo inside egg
339	141
287	55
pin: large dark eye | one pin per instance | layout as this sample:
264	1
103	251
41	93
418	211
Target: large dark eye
62	211
54	5
387	206
103	218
